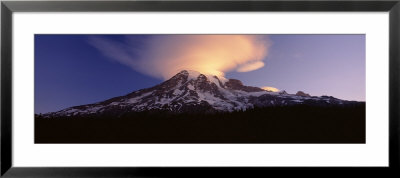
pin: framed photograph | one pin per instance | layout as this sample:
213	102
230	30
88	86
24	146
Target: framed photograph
158	88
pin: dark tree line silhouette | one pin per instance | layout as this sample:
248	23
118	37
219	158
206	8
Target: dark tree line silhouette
289	124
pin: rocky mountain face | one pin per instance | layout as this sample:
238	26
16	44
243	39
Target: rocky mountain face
191	91
301	93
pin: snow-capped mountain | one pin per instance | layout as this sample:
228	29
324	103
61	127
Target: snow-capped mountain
191	91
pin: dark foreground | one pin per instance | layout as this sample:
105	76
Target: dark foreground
295	124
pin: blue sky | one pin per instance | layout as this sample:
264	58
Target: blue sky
70	70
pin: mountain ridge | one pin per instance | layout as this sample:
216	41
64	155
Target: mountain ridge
192	91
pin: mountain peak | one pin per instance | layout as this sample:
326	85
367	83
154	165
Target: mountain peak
183	72
195	75
190	74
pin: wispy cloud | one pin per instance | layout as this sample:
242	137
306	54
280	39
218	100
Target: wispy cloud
250	66
163	56
273	89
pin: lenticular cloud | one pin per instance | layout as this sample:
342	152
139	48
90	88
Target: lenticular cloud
163	56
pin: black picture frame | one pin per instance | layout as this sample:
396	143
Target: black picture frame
8	7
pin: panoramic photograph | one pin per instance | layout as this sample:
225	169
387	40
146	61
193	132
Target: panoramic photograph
199	88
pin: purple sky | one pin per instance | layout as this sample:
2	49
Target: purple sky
70	71
331	65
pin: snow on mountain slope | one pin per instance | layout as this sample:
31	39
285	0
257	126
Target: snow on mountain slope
191	91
